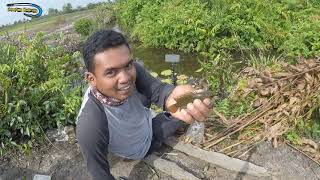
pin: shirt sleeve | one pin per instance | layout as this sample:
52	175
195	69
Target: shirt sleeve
94	148
152	88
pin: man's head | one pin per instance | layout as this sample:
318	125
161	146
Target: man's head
108	60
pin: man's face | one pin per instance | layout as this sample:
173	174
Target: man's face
114	73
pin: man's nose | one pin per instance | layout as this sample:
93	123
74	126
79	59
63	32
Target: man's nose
124	77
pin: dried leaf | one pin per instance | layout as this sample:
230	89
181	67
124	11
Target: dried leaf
273	89
282	107
293	100
311	63
258	80
309	149
286	113
282	74
269	120
301	85
267	73
250	71
259	84
260	101
296	68
266	79
281	84
284	64
277	116
275	142
264	92
295	109
247	91
251	83
257	103
310	142
287	94
308	90
309	78
293	95
275	131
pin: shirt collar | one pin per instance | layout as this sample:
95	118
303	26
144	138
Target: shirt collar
104	99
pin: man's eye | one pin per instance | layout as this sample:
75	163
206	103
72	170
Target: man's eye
110	73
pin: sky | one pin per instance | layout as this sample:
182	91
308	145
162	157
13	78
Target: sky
9	17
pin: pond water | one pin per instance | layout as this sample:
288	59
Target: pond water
154	60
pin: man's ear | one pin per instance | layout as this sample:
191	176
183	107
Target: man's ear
91	78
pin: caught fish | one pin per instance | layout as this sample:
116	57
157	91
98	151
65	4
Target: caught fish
182	101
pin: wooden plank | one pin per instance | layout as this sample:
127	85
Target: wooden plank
169	168
41	177
218	159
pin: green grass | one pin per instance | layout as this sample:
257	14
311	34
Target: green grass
46	23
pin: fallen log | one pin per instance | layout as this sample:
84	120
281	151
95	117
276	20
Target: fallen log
169	168
218	159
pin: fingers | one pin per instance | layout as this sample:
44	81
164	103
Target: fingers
199	110
207	102
181	90
186	116
195	112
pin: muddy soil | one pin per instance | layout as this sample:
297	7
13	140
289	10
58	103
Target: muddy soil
63	160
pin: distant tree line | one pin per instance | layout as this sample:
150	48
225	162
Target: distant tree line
67	8
15	22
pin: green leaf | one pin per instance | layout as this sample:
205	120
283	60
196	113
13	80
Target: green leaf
199	70
167	81
13	143
27	132
12	121
19	119
154	74
167	72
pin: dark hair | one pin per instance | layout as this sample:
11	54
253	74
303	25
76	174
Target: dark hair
99	42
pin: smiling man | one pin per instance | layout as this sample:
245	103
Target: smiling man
115	115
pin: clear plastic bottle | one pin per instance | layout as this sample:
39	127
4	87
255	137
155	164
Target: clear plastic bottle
195	132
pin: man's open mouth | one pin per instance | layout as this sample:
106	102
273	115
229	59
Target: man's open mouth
126	88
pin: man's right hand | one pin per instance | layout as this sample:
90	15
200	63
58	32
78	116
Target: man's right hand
196	110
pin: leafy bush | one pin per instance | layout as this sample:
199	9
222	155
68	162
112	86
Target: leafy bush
8	53
226	29
224	26
36	91
83	26
104	14
127	12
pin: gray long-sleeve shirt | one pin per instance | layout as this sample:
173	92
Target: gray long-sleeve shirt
93	129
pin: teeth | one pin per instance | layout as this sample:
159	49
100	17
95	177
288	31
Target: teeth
125	88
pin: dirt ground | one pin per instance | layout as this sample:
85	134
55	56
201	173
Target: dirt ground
63	160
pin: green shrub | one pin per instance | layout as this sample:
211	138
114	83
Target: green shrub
83	26
36	91
8	53
226	29
104	14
